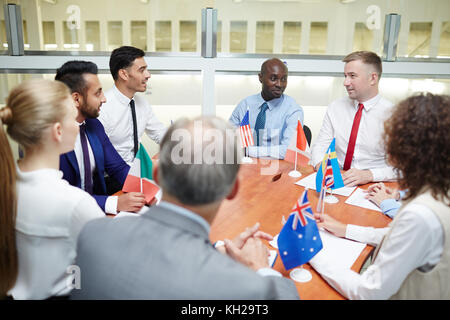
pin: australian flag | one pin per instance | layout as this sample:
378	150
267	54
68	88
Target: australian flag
299	240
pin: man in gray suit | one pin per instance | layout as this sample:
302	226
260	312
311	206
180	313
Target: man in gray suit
165	253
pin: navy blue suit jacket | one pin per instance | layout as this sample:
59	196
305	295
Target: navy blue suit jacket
106	159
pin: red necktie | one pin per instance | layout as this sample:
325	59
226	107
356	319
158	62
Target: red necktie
353	135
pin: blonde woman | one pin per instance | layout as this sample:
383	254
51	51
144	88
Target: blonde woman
46	212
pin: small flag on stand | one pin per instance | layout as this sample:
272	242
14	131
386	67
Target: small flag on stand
246	132
140	176
299	240
329	165
298	147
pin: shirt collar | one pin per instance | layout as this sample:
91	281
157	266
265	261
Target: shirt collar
184	212
38	175
369	103
271	103
123	99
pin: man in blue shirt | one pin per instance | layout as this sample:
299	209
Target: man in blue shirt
272	115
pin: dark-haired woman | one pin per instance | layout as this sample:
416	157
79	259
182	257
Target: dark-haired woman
412	258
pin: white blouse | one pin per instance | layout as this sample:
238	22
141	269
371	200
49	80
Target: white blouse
50	215
416	242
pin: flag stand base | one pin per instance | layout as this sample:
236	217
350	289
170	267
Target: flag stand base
300	275
247	160
331	199
294	174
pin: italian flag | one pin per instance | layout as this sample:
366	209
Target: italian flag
298	150
140	177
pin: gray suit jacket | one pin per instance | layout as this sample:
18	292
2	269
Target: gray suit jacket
164	255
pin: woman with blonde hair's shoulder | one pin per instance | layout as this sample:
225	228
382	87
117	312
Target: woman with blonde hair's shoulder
41	213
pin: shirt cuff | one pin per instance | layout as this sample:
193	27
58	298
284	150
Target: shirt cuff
111	205
356	233
389	207
383	174
265	151
265	272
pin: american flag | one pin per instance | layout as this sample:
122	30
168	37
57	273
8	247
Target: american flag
301	210
246	132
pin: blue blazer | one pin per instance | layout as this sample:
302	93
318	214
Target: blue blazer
106	159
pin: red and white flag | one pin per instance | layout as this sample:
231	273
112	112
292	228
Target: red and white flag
246	132
140	176
298	147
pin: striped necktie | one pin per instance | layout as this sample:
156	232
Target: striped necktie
260	121
86	160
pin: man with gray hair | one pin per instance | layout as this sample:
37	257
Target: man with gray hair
165	253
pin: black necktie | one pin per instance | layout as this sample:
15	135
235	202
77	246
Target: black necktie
135	134
86	160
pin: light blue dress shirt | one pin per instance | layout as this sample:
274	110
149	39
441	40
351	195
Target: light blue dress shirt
281	123
390	206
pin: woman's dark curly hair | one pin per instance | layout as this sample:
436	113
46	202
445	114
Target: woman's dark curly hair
417	140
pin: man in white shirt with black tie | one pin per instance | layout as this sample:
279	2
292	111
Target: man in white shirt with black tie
126	115
357	123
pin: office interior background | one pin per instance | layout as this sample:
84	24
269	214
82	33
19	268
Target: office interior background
311	36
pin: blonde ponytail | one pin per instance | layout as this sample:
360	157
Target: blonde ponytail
32	107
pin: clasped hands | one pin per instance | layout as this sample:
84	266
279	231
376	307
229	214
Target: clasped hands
248	249
353	177
375	193
379	192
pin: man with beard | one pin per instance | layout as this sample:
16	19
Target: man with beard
85	166
272	115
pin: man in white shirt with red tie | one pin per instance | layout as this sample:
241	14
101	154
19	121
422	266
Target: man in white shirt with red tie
127	115
357	123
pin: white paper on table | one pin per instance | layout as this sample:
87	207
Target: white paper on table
339	251
309	182
358	199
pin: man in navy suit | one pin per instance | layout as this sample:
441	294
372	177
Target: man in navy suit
85	166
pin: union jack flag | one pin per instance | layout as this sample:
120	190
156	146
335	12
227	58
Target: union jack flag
246	132
328	179
301	210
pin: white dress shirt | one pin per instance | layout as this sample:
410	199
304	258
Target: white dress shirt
50	215
115	115
369	147
417	241
111	201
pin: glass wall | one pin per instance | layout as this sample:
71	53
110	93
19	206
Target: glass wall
325	27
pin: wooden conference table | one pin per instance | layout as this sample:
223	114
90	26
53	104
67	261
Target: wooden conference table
265	196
